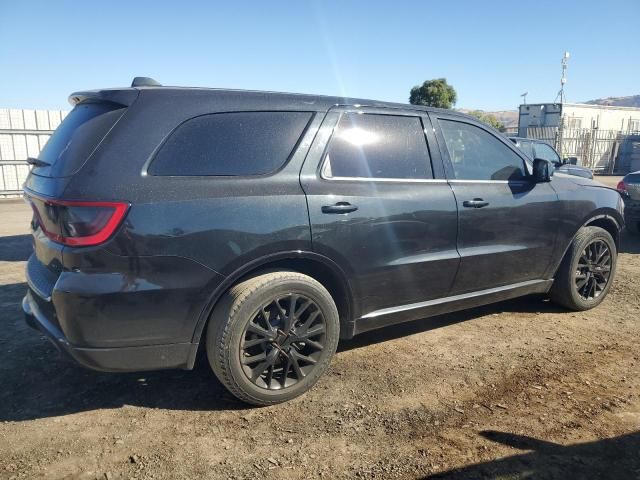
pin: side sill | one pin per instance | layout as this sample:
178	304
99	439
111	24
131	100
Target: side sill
415	311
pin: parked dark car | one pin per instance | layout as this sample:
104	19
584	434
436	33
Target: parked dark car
539	149
266	226
629	188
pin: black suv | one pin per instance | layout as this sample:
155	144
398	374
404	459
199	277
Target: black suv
266	226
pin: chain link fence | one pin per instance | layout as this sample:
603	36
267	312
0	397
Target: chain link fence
603	151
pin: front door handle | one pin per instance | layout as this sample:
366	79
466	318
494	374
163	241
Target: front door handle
340	207
475	203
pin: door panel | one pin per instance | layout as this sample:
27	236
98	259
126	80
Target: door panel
508	241
399	246
507	224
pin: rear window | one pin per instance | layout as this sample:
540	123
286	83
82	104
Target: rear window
230	144
77	137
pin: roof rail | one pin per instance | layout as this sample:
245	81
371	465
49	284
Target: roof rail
145	82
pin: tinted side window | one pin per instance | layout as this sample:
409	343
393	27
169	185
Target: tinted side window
545	152
241	143
477	155
378	146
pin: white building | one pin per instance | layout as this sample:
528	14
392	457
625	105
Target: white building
23	133
577	116
601	137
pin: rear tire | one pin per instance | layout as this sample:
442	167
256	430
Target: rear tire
587	270
271	337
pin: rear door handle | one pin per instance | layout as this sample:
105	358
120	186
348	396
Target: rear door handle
340	207
475	203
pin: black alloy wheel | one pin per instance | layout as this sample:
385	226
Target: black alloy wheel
593	270
587	270
272	336
282	343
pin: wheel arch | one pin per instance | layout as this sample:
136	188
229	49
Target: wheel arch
319	267
606	219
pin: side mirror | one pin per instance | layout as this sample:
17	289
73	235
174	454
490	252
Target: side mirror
541	171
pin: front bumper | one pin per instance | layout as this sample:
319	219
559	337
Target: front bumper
120	359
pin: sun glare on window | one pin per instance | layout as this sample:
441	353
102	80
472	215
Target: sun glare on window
358	137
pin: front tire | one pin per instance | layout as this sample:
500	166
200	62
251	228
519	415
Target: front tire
587	270
271	337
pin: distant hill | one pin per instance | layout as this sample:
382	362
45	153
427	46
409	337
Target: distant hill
509	118
631	101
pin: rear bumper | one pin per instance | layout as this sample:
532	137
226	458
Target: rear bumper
121	359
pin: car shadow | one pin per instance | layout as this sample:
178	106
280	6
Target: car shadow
39	382
15	248
615	458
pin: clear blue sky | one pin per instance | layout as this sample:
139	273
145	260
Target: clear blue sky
490	52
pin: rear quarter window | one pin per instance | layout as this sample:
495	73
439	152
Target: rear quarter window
230	144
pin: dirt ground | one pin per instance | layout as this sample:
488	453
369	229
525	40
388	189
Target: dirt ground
520	389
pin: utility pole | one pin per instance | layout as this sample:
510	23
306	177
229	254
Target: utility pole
524	97
563	79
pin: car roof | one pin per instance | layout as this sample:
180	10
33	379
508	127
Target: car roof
126	95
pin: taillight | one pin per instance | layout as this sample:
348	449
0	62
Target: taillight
621	186
80	224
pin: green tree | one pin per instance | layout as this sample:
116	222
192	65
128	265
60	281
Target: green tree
433	93
488	118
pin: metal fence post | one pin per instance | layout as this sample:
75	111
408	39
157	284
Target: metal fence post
558	140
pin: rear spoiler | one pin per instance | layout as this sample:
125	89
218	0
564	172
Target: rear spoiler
121	96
